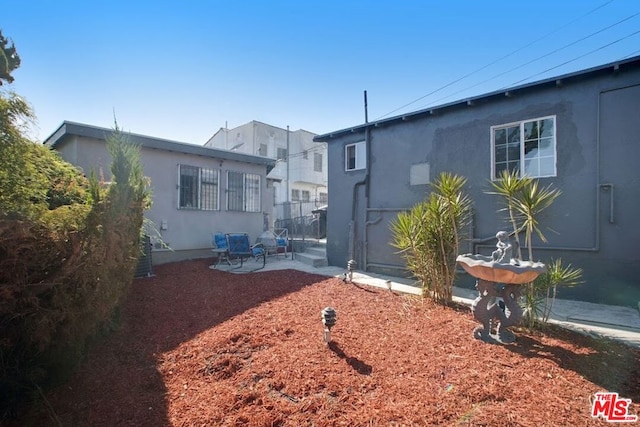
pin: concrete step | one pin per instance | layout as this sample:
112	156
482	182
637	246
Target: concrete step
316	250
311	259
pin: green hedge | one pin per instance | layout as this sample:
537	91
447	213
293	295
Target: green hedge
68	252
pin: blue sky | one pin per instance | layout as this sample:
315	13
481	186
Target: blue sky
181	70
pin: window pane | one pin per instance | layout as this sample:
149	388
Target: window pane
546	147
235	189
514	167
500	136
513	152
317	162
513	134
252	192
209	189
189	187
546	128
499	168
351	157
501	153
531	130
531	149
547	166
531	167
361	156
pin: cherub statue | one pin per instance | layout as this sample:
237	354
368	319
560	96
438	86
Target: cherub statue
504	248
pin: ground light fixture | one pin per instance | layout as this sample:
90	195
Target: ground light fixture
351	265
328	320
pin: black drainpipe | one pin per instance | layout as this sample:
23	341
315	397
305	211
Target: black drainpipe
365	181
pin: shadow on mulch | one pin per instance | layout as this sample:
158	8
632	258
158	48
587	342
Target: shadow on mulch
599	364
358	365
182	300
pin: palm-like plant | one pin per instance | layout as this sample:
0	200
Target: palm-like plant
529	202
508	186
524	201
429	234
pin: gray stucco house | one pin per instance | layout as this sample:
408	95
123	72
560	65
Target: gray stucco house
196	190
579	132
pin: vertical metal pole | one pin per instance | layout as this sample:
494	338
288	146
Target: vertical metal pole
366	112
287	160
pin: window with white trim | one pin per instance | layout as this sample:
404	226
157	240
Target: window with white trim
295	195
198	188
243	192
305	195
527	147
355	156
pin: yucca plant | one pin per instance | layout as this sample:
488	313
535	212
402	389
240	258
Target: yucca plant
547	284
524	201
508	186
428	236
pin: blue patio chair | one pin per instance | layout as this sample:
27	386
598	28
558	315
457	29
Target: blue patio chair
240	248
220	248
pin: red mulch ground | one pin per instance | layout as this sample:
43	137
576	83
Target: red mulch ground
209	348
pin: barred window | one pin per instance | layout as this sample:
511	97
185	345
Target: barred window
243	192
198	188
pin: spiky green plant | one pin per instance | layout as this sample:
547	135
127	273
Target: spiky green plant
547	284
508	186
524	201
428	236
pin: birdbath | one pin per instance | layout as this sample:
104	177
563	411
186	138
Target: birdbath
499	280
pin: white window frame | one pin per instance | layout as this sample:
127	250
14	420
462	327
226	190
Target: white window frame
526	162
250	199
360	156
206	191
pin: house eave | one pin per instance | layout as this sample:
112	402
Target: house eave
68	128
558	81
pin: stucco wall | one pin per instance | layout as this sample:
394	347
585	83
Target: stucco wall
597	143
187	231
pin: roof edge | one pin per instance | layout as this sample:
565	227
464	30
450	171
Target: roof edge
615	66
97	132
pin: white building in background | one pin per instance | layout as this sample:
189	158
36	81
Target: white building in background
299	177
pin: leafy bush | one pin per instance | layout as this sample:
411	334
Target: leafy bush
68	251
428	236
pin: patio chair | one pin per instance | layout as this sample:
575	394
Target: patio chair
240	248
220	248
282	240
